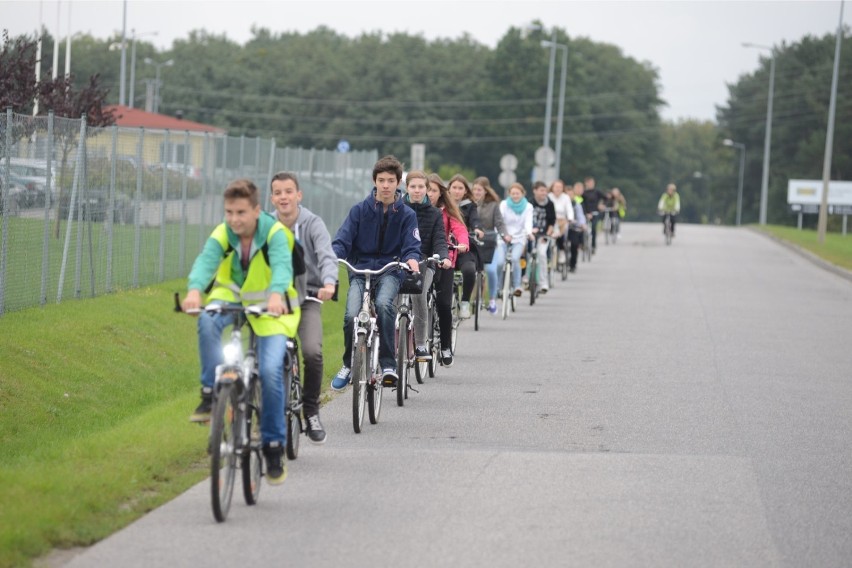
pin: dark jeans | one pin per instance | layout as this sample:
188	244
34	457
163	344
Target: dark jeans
310	338
594	225
385	288
673	218
444	294
575	238
466	264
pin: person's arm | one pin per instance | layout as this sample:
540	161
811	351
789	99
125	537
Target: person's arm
549	217
661	204
411	243
439	240
281	265
528	220
325	259
475	221
676	203
459	231
203	270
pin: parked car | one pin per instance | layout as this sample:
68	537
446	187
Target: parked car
13	195
32	192
95	204
191	171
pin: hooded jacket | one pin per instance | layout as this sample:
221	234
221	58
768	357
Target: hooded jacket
370	237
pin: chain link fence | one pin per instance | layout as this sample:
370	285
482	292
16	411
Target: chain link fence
88	211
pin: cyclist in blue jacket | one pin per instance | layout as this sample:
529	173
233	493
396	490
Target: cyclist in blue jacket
377	231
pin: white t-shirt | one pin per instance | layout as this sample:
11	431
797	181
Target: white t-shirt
564	208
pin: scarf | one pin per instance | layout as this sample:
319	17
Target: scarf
518	207
407	199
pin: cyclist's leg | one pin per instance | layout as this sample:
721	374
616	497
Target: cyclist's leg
353	305
420	307
444	281
673	217
466	264
543	267
210	328
387	288
310	338
270	360
516	252
495	267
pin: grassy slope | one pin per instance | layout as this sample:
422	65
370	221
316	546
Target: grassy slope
94	399
837	248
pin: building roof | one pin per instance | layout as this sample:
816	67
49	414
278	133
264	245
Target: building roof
134	117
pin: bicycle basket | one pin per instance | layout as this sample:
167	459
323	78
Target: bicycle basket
412	283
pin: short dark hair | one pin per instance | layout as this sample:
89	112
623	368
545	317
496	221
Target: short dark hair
242	189
388	164
538	184
284	176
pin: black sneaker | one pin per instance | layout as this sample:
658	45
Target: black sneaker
447	357
202	413
422	354
276	469
389	377
315	431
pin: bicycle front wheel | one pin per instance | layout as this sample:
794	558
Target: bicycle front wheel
252	461
402	341
375	389
294	409
507	298
224	429
533	279
477	303
360	371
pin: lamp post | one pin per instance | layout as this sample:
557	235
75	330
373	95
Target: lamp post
561	111
548	109
764	182
134	37
158	66
741	147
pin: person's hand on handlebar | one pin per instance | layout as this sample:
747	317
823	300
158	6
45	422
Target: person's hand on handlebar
325	293
413	265
275	306
191	303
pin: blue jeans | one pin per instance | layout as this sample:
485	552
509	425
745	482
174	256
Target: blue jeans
517	250
493	267
386	288
270	360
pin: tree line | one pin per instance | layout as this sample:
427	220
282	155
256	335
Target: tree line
470	104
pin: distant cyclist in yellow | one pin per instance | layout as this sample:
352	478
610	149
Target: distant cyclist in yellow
669	205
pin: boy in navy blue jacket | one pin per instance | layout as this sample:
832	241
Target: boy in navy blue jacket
377	231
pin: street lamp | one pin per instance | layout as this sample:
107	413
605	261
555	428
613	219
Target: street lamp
548	112
158	66
134	37
741	147
561	112
764	182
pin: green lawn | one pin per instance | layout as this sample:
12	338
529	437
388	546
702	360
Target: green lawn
94	400
836	249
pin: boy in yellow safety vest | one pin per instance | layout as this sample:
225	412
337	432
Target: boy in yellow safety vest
248	260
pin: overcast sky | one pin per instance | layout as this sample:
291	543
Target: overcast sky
696	46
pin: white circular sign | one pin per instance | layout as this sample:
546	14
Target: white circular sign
545	156
508	162
507	178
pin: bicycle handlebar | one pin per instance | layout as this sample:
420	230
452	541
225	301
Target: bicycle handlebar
382	270
253	309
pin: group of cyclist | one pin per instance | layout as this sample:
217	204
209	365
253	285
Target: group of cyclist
433	228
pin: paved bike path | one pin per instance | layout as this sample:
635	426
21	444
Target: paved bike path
682	405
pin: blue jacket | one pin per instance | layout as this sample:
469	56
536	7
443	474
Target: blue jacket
370	239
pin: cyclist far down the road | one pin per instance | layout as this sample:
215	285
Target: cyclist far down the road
377	231
466	263
669	205
517	214
488	203
456	232
248	260
564	209
320	281
544	220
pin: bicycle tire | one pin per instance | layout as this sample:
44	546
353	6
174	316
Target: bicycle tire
435	343
375	388
223	457
532	271
477	303
252	459
402	341
359	383
294	409
506	300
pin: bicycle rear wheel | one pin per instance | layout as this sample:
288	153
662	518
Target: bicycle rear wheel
478	289
252	460
532	271
506	300
224	430
402	341
359	382
374	387
435	343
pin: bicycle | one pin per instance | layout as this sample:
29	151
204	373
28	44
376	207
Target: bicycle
235	440
607	225
405	342
561	267
587	243
507	296
667	227
366	374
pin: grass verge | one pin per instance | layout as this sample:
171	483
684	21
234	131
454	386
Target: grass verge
94	399
837	248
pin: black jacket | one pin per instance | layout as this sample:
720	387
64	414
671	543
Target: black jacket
430	223
470	214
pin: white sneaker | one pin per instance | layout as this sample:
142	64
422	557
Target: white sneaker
561	257
464	310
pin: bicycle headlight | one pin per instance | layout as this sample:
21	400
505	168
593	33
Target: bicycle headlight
363	317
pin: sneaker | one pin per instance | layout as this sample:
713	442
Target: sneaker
464	310
560	258
315	431
389	377
543	290
492	307
341	379
422	354
572	269
276	469
447	357
202	413
518	292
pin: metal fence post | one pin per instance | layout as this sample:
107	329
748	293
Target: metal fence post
111	209
52	183
137	211
71	204
162	273
5	228
182	239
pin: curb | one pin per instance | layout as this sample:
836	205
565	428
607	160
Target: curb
808	255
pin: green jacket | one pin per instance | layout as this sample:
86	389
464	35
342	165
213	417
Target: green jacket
669	203
219	272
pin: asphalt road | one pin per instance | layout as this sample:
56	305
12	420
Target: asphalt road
667	406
